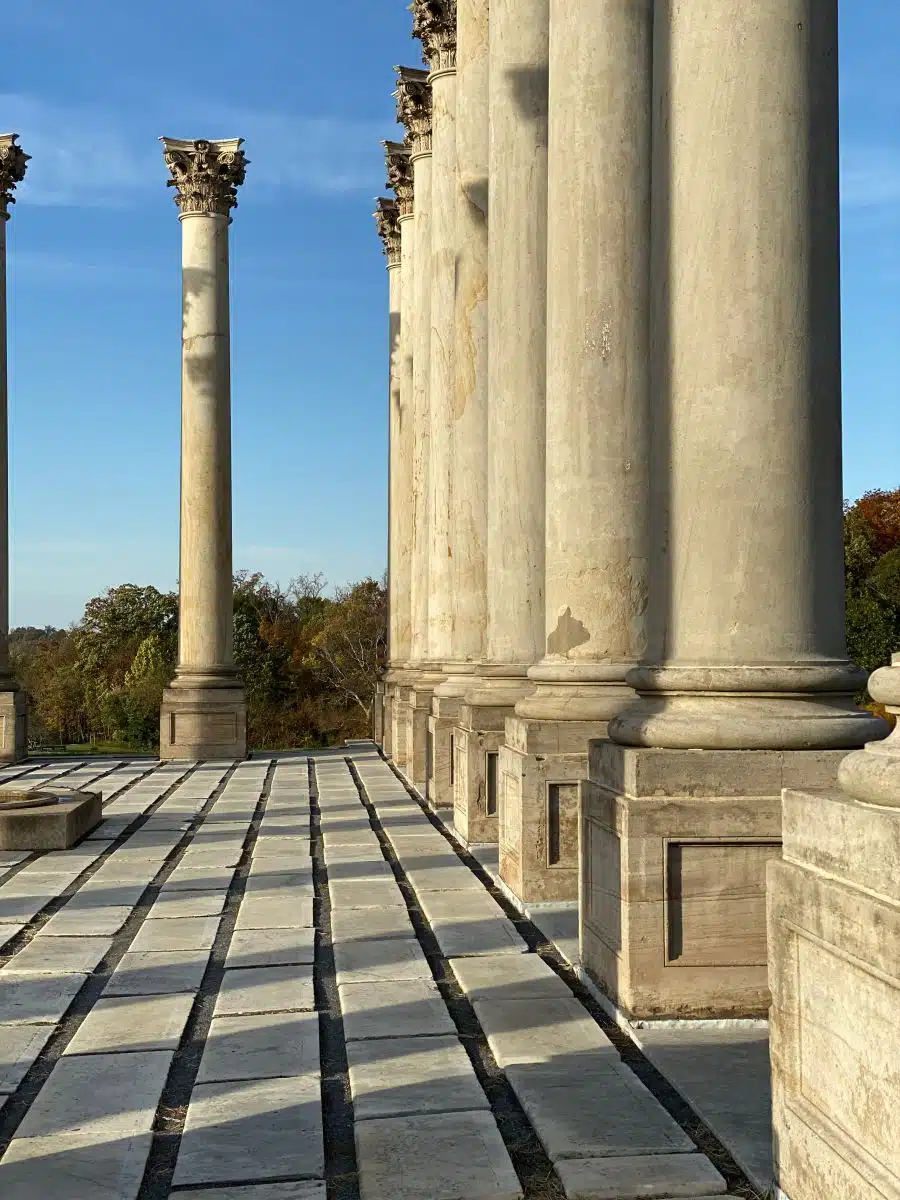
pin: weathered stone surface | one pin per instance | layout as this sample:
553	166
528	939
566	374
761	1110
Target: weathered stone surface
34	1000
275	912
357	925
87	921
650	1176
468	923
271	947
51	827
19	1047
157	972
88	1166
380	960
409	1008
199	879
58	956
109	1094
262	1046
509	977
356	870
312	1190
190	933
175	905
393	1077
10	930
266	989
368	893
132	1024
535	1030
450	878
264	1129
442	1156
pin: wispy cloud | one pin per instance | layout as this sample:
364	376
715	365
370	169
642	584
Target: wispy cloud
870	177
91	156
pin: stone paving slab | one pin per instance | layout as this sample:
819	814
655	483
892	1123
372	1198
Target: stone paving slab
281	864
36	1000
10	930
351	837
296	886
355	925
379	960
265	990
509	977
267	1191
274	912
264	1129
199	879
85	921
271	947
355	870
19	1047
59	956
469	923
157	972
643	1177
132	1024
365	893
105	1094
263	1046
442	1156
526	1031
79	1167
175	905
402	1076
413	1008
190	933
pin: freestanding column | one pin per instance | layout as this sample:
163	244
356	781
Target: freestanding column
400	178
468	514
414	111
387	217
203	711
13	712
746	687
596	427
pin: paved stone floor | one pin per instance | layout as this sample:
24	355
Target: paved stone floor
281	979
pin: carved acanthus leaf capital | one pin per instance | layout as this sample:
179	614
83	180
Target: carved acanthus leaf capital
13	160
413	96
434	23
387	221
400	175
206	175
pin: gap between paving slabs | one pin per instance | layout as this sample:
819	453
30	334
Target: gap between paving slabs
536	1174
673	1103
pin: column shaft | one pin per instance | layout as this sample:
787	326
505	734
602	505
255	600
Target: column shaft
421	341
403	452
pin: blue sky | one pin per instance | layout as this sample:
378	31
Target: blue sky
95	292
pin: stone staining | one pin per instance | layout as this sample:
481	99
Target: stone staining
434	24
204	712
387	222
13	712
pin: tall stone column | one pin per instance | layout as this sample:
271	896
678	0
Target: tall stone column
400	179
519	32
13	710
596	428
203	711
414	109
387	218
745	687
468	513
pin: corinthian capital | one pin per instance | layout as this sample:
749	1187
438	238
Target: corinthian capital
413	96
387	221
206	175
399	175
434	23
12	171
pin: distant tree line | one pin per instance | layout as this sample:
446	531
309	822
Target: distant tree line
309	662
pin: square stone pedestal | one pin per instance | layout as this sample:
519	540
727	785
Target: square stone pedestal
834	934
442	758
476	776
674	849
13	726
378	722
51	826
418	741
399	705
203	723
541	766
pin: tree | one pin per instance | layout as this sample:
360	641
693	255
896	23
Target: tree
352	644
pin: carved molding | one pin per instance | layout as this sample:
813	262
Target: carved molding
387	221
206	175
13	160
413	96
400	175
434	23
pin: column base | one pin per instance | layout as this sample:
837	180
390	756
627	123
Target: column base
478	737
442	759
834	933
203	722
399	706
541	766
418	739
378	713
674	849
13	726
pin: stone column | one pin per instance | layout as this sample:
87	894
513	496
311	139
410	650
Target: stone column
517	339
387	218
400	178
468	515
746	687
414	109
834	966
203	711
13	711
596	428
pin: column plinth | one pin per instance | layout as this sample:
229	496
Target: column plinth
204	711
13	705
